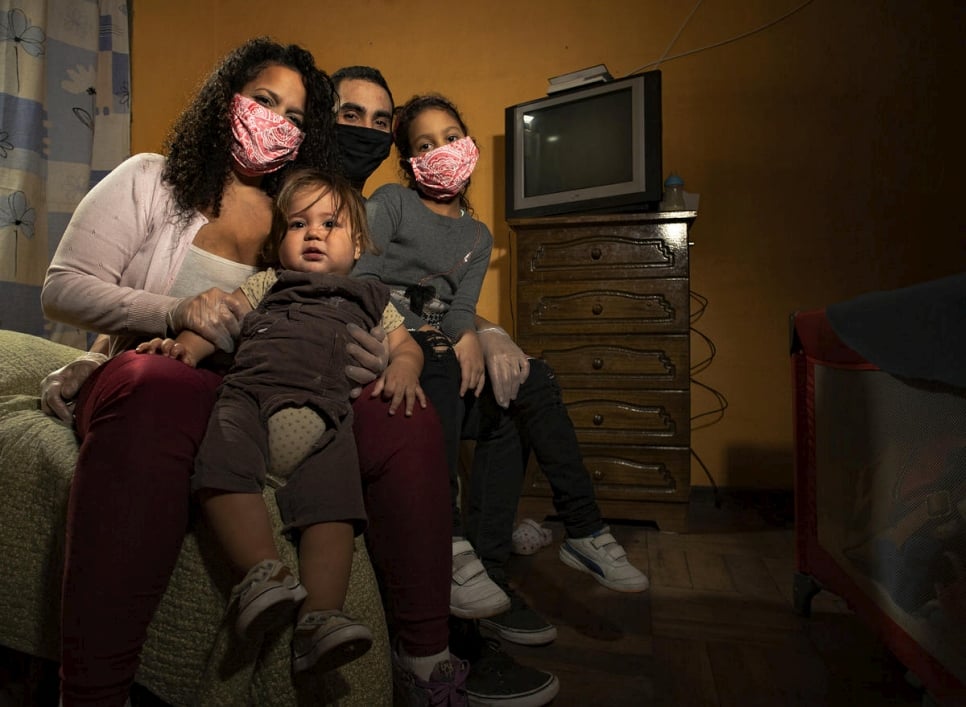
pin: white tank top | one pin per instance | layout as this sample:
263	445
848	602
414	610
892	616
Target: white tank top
202	270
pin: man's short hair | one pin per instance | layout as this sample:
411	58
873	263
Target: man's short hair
363	73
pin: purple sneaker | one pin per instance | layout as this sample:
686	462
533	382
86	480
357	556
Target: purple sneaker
446	686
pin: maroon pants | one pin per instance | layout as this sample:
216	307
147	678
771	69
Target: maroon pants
140	419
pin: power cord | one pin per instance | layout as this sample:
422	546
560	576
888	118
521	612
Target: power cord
716	413
665	58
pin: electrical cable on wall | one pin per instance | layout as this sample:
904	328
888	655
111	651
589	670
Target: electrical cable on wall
716	413
665	58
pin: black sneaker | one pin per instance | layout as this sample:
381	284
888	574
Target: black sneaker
520	624
495	677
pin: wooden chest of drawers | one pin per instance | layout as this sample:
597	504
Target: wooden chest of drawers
605	301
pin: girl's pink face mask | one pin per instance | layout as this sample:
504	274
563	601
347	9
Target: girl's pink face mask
442	173
264	141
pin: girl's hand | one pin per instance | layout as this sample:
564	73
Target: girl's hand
470	355
400	383
169	348
370	351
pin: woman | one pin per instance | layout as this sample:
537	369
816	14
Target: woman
157	246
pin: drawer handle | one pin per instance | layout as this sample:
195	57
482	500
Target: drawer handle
598	475
596	253
597	309
597	363
598	420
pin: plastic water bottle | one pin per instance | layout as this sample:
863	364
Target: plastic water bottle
673	194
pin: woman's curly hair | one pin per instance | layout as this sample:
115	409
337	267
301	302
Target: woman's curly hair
404	117
198	147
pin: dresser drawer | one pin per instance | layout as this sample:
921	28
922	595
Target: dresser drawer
603	252
628	473
660	417
604	299
622	307
621	362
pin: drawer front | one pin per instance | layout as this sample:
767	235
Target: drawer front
627	417
603	252
622	362
628	473
622	307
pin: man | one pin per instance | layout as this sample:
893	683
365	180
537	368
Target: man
364	132
364	120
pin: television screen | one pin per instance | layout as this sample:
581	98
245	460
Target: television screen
568	146
593	149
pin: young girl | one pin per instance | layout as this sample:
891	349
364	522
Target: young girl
433	255
289	371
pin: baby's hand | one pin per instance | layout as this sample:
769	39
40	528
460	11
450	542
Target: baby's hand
400	382
169	348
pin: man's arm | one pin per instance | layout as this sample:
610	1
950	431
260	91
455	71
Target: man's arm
370	352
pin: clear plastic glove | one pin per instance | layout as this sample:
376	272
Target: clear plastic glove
370	350
506	364
212	314
59	389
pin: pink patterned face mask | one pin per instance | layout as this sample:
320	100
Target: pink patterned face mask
264	141
442	173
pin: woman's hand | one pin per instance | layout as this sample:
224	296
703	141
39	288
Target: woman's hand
470	356
59	388
213	315
506	363
370	351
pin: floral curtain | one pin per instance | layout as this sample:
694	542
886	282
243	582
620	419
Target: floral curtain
64	124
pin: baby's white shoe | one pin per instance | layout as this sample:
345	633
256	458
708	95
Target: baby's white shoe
530	536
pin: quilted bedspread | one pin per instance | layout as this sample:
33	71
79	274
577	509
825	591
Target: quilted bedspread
192	656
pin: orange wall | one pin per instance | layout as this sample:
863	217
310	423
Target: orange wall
822	146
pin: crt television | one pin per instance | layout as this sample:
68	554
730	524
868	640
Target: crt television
594	149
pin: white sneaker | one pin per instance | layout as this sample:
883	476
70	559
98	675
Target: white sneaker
603	557
326	640
473	595
267	598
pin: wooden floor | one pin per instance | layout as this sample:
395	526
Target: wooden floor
716	628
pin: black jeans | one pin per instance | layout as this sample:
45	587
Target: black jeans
536	421
540	424
460	418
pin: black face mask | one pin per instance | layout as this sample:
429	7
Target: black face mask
362	151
